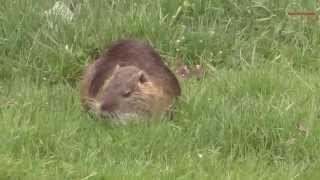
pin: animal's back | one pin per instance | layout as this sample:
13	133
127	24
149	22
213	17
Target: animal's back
133	53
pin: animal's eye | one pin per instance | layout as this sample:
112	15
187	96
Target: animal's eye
126	93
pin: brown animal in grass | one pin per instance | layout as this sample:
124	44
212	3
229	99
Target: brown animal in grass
128	79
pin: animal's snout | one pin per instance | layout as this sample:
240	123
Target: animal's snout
107	106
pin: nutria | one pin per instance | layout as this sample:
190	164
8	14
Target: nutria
129	78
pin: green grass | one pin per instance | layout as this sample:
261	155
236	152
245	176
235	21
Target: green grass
254	115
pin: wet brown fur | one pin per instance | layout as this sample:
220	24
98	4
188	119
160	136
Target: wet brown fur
159	92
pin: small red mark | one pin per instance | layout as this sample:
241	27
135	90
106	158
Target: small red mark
301	13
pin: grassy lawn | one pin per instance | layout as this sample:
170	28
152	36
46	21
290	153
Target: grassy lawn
254	115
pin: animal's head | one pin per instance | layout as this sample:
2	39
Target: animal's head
124	93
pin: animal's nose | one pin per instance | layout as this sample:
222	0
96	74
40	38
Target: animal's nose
106	106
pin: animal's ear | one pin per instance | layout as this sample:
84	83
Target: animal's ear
116	69
143	77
